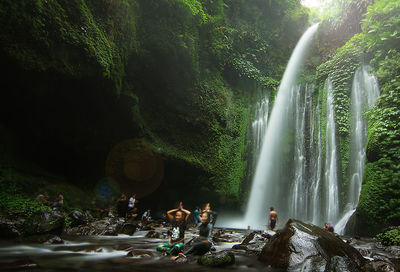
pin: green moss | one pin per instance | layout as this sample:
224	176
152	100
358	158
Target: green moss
390	237
189	65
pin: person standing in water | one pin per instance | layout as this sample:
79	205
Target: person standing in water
273	217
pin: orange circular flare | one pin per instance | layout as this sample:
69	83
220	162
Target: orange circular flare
135	166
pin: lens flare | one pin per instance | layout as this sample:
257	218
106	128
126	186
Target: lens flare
135	165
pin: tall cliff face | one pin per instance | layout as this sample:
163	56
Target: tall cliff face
376	45
176	78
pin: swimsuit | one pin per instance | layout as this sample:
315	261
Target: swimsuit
272	224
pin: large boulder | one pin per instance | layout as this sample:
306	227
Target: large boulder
305	247
44	222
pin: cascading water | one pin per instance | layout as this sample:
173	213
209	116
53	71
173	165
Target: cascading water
298	198
316	170
365	91
267	188
330	177
259	126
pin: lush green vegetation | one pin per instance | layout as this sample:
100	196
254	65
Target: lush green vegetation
390	237
186	71
378	45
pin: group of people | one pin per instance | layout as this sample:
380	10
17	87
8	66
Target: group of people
44	199
179	218
127	207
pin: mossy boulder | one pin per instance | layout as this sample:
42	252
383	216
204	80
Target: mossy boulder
219	259
44	222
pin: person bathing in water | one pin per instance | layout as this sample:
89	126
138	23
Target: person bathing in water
178	218
203	243
273	217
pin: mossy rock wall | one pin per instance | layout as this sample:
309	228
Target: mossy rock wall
377	45
181	75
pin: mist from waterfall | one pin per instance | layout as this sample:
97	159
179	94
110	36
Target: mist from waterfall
267	189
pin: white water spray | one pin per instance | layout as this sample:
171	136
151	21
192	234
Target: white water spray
365	91
266	190
331	180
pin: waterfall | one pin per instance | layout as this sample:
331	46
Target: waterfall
259	126
316	171
330	177
299	199
365	91
269	188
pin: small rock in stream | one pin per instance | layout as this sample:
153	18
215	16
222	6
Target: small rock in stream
153	234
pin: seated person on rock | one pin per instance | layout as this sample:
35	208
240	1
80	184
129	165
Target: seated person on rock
146	215
212	215
203	243
329	227
133	213
59	200
178	218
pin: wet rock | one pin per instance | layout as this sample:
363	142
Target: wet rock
181	260
365	252
153	234
141	253
124	247
43	222
379	266
110	226
143	225
127	228
26	263
95	249
88	215
8	229
305	247
394	251
253	243
55	240
219	259
225	236
78	218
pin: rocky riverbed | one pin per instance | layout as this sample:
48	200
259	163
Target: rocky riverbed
99	245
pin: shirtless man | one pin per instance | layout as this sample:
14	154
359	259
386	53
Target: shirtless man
273	216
